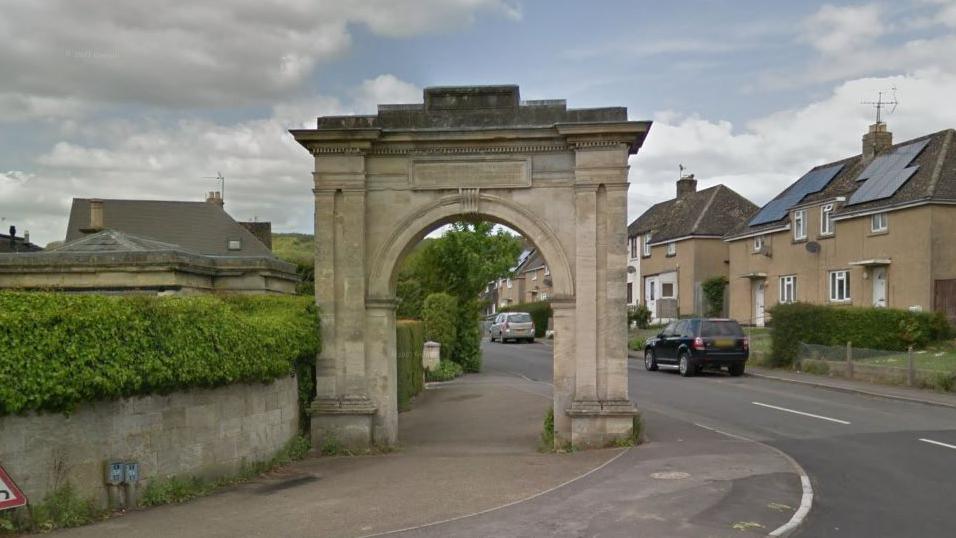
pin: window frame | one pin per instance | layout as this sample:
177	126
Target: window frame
673	286
671	248
784	281
834	280
826	220
632	246
646	245
630	292
236	242
799	215
758	243
508	283
884	217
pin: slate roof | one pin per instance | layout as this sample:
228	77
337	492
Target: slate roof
116	241
18	245
198	227
709	212
935	180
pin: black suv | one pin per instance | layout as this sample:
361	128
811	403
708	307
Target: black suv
692	344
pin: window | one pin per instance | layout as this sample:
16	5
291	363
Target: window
632	244
839	286
879	222
672	249
758	243
547	272
652	291
509	283
630	293
234	244
800	224
788	289
646	246
667	290
826	220
534	275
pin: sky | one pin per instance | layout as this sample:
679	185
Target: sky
132	99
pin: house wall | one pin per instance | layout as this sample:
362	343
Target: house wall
534	286
696	260
944	242
907	243
201	432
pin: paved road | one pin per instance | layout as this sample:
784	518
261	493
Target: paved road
879	468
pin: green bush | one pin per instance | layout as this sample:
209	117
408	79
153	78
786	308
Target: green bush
639	315
713	290
637	343
409	339
872	328
440	314
468	344
540	312
58	350
447	370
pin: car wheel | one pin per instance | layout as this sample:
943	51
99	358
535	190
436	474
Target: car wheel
686	365
530	340
650	362
736	370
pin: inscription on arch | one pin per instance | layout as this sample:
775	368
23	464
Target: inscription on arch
470	173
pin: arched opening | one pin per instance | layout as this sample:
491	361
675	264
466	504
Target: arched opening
416	226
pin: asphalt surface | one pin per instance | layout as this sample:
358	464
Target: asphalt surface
879	468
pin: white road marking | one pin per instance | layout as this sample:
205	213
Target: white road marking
930	441
838	421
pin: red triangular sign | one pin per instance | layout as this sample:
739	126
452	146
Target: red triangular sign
10	494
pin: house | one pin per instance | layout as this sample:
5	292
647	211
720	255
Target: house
681	242
633	294
874	229
145	246
535	278
11	243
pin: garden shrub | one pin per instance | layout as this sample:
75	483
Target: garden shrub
440	314
447	370
468	344
409	340
713	290
58	350
637	343
540	312
872	328
640	316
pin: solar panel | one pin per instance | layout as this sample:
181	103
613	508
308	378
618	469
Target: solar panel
887	173
811	182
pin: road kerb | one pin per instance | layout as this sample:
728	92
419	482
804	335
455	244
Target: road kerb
853	390
806	500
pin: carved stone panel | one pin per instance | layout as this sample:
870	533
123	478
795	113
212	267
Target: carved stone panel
470	173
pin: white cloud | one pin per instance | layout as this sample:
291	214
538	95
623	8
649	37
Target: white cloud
268	175
200	53
836	30
760	159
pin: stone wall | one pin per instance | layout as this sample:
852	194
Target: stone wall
203	432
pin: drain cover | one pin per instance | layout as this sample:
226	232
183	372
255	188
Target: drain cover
670	475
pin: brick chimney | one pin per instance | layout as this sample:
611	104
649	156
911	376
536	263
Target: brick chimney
877	140
215	197
96	217
686	185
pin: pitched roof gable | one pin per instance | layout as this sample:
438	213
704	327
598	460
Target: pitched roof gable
709	212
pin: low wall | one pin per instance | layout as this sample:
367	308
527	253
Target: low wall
202	432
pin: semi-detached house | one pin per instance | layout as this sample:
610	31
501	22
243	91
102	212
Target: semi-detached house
876	229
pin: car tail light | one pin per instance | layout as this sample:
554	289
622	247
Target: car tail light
747	343
698	343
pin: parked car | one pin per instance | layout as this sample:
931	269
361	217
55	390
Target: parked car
515	326
693	344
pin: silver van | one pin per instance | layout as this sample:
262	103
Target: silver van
515	326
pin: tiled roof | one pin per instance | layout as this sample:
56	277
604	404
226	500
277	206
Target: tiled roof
18	245
710	212
200	227
935	180
116	241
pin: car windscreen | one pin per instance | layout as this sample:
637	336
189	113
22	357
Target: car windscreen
519	318
720	328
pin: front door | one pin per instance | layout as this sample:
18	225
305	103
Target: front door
650	295
879	286
759	288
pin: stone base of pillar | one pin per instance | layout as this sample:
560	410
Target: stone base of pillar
344	422
597	424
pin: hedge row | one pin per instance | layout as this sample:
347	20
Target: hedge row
409	340
540	312
872	328
440	316
58	350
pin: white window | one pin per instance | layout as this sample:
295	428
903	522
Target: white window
758	243
646	246
826	220
800	224
234	244
839	286
879	222
788	289
534	275
547	272
632	246
671	248
509	283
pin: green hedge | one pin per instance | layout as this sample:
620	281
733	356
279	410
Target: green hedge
58	350
440	314
409	339
540	312
872	328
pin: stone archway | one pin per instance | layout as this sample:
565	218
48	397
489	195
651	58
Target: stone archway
382	182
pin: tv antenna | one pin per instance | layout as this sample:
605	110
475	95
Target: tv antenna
681	168
880	103
222	184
